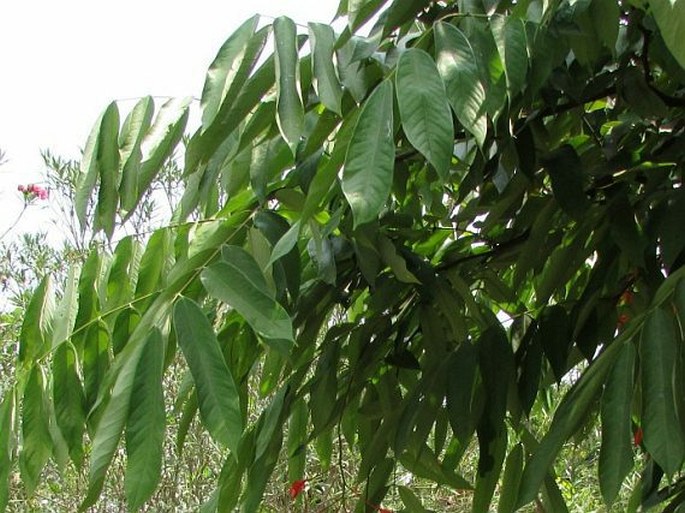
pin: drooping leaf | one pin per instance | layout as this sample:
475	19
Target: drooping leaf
69	400
145	424
288	102
6	429
511	480
616	453
133	130
565	171
367	175
456	62
424	110
216	390
36	330
326	80
223	71
108	168
35	434
567	419
111	423
510	36
663	436
159	142
238	281
670	17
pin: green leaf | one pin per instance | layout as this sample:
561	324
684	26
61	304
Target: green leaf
394	260
145	424
322	39
670	18
458	67
511	480
616	453
238	281
6	429
424	110
69	400
401	12
111	424
663	437
216	390
133	130
360	11
554	335
367	175
297	440
36	442
270	422
36	330
160	141
88	174
108	167
286	243
567	419
223	76
152	264
290	116
461	373
510	37
565	171
65	313
411	501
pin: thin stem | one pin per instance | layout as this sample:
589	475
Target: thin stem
16	221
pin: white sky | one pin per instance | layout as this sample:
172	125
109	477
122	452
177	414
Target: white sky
62	62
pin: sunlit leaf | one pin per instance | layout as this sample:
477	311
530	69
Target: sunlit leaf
367	175
216	390
425	113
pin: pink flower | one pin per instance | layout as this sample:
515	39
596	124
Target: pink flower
297	487
34	191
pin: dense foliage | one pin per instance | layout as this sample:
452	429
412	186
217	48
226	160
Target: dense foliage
398	240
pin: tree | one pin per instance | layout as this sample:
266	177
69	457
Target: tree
399	239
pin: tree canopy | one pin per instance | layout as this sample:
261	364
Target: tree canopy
400	236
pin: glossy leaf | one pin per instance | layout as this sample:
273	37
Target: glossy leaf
456	62
108	167
367	175
216	390
288	102
145	424
326	80
133	130
69	400
36	330
223	71
510	36
238	281
425	113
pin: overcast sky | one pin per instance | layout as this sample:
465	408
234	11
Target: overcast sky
62	62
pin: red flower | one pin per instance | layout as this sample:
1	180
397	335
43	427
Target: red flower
297	487
637	437
21	188
627	297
